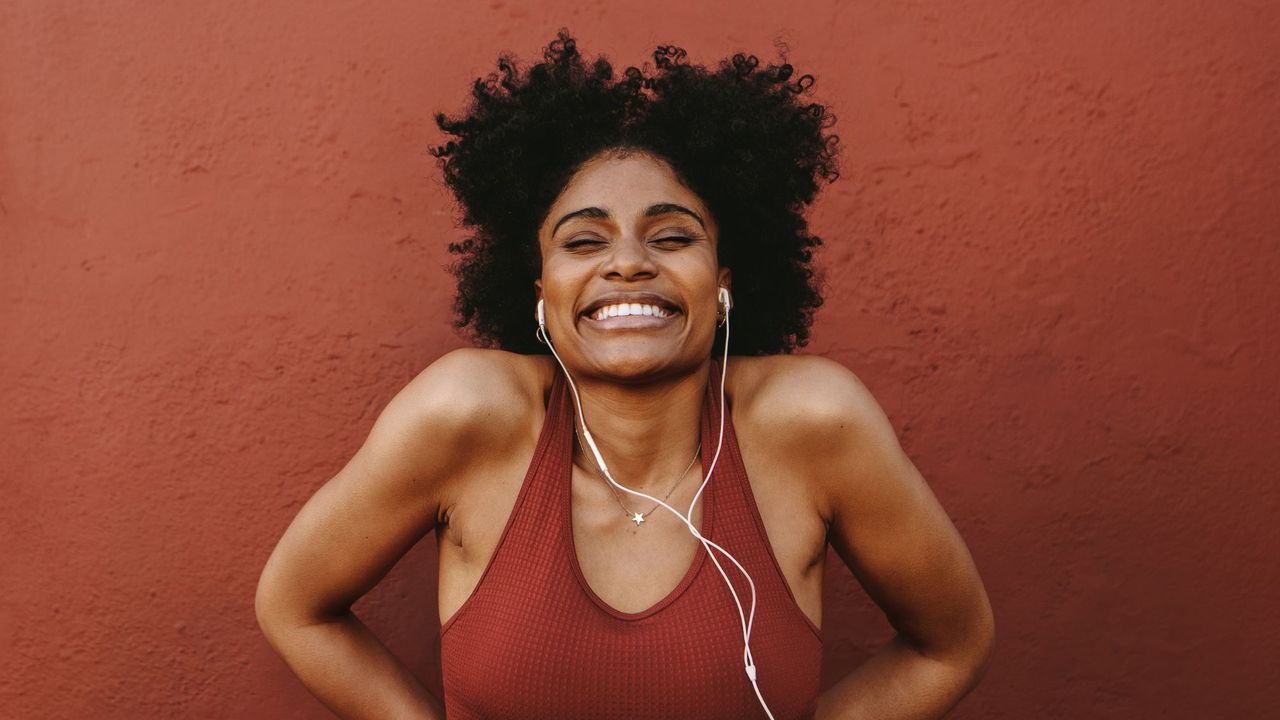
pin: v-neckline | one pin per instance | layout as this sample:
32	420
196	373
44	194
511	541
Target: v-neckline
700	554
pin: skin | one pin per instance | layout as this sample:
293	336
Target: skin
450	450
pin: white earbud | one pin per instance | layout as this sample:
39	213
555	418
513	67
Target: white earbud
541	332
726	300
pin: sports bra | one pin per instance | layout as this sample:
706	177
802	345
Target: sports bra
534	641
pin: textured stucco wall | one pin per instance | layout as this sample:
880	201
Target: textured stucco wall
1052	257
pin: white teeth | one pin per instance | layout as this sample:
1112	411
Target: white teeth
627	309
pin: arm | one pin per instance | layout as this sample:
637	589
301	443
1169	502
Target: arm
351	533
888	527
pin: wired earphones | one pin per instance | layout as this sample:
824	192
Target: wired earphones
725	300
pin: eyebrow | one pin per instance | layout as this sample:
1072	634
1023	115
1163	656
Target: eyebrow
651	211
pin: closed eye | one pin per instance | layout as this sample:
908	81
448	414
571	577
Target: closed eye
585	243
674	240
589	243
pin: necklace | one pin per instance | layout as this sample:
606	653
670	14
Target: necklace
637	517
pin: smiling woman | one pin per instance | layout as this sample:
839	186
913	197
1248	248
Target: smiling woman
626	227
637	238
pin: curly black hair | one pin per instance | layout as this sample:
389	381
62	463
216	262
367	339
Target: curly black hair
738	136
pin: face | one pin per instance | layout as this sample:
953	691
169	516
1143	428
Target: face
629	271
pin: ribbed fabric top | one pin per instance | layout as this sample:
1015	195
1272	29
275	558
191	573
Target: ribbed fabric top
534	641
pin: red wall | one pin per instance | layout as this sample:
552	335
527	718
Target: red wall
1052	257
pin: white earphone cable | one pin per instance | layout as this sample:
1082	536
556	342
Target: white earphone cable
746	619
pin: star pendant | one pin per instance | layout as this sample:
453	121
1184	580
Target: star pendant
637	518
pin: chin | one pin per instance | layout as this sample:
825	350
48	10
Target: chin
642	363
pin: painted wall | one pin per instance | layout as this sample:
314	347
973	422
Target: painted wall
1052	257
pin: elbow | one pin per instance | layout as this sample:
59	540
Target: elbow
968	655
270	607
281	607
263	606
981	646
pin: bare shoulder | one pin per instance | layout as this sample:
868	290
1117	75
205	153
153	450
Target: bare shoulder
818	411
807	393
454	414
882	518
476	383
475	396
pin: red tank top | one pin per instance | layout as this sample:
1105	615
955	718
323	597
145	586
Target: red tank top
534	641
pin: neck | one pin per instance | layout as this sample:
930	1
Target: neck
646	433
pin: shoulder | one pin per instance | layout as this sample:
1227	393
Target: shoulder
476	380
808	392
820	416
468	400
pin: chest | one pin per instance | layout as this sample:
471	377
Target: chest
583	613
631	568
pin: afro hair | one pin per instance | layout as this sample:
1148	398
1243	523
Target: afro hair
739	136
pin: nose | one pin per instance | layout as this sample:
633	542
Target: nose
629	259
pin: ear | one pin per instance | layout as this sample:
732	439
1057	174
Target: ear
537	289
725	279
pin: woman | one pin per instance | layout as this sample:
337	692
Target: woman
630	522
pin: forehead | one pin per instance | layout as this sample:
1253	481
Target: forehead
624	187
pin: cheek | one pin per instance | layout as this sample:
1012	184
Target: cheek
562	284
700	278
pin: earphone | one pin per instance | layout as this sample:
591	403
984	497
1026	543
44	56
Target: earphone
725	300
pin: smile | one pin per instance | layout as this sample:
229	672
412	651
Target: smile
629	309
630	316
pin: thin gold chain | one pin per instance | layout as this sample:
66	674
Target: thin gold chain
638	518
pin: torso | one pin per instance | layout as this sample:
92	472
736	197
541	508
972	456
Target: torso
657	556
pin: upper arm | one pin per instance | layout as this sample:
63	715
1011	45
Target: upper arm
351	532
886	524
